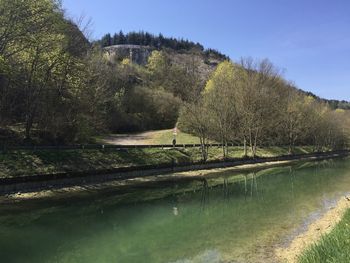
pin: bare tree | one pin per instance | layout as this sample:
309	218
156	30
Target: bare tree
257	99
196	119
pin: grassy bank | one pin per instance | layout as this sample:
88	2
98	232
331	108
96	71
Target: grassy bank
334	247
25	162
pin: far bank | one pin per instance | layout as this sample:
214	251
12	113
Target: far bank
107	165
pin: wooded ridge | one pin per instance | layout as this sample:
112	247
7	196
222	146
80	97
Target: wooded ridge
57	88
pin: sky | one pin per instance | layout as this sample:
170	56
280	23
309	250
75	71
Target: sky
309	40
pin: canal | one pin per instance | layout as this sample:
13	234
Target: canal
231	217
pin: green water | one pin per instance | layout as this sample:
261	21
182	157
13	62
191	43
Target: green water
228	218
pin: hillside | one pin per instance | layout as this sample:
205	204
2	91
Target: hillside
73	93
334	104
137	46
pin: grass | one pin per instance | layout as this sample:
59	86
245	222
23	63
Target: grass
166	137
333	248
26	162
22	163
279	150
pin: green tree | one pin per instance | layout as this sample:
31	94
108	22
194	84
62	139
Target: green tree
220	98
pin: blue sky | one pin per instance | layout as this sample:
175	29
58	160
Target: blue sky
309	40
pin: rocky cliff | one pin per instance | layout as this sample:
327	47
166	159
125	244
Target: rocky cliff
137	54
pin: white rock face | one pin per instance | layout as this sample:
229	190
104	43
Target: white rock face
136	53
139	55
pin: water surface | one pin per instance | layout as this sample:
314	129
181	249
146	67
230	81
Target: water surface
229	218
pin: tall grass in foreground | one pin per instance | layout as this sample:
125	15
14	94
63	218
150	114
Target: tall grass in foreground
334	247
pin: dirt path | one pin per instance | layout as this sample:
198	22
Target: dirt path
132	139
314	232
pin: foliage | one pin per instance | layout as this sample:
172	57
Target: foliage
333	247
44	76
333	104
60	89
251	104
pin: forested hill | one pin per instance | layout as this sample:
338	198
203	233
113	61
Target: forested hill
334	104
57	88
179	45
156	41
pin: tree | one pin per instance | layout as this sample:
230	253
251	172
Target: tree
159	66
220	97
294	114
40	50
257	99
106	41
196	118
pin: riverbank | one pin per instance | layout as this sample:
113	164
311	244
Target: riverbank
334	246
22	163
138	182
307	246
116	182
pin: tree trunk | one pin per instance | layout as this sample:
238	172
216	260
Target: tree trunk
251	143
203	149
223	147
29	124
255	141
290	144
